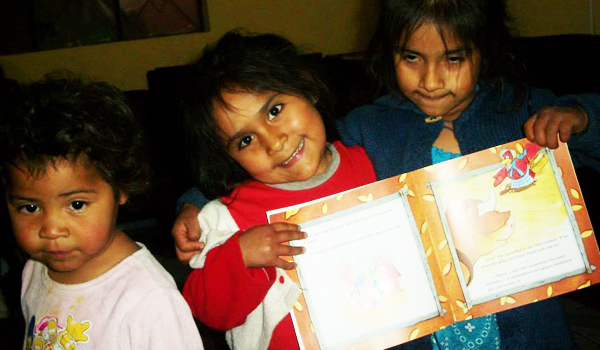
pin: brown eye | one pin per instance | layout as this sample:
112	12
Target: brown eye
245	141
274	111
455	59
30	208
410	57
77	205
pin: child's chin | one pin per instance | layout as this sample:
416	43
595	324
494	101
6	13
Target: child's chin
62	267
433	112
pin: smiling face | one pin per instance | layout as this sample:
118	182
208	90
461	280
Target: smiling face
66	219
276	138
439	79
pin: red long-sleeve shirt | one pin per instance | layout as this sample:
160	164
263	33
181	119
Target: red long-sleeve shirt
224	291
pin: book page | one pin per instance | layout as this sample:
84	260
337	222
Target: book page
364	273
506	238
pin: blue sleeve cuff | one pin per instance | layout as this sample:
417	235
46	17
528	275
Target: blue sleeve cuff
192	196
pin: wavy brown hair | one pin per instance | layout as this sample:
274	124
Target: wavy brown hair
65	117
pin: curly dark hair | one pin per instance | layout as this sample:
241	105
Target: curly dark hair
240	62
64	117
480	24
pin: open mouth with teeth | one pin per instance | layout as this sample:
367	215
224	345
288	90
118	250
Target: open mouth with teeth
298	149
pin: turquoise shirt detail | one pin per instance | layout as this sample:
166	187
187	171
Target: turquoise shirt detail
439	155
479	333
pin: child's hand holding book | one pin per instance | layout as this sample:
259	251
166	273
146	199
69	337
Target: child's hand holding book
263	246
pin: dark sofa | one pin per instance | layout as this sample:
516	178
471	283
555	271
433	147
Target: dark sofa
562	63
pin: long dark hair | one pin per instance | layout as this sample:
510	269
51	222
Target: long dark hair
480	24
240	62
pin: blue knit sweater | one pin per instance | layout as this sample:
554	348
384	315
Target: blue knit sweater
396	137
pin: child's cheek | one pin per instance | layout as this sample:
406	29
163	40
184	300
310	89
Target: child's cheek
26	235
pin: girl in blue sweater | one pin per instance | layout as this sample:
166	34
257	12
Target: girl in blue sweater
452	89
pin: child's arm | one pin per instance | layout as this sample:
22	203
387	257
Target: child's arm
550	124
235	270
225	291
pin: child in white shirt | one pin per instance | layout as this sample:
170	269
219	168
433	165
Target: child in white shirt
71	154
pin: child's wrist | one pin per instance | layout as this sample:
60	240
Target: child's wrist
584	124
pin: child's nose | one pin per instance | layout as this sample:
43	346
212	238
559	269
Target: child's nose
433	77
53	226
275	141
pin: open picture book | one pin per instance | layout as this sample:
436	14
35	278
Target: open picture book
406	256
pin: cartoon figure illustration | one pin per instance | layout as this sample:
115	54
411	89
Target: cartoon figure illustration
366	283
518	167
477	229
73	333
48	335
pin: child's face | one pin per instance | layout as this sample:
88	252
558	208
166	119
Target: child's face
277	138
65	219
440	80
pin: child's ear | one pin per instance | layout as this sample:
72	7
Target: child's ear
123	198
